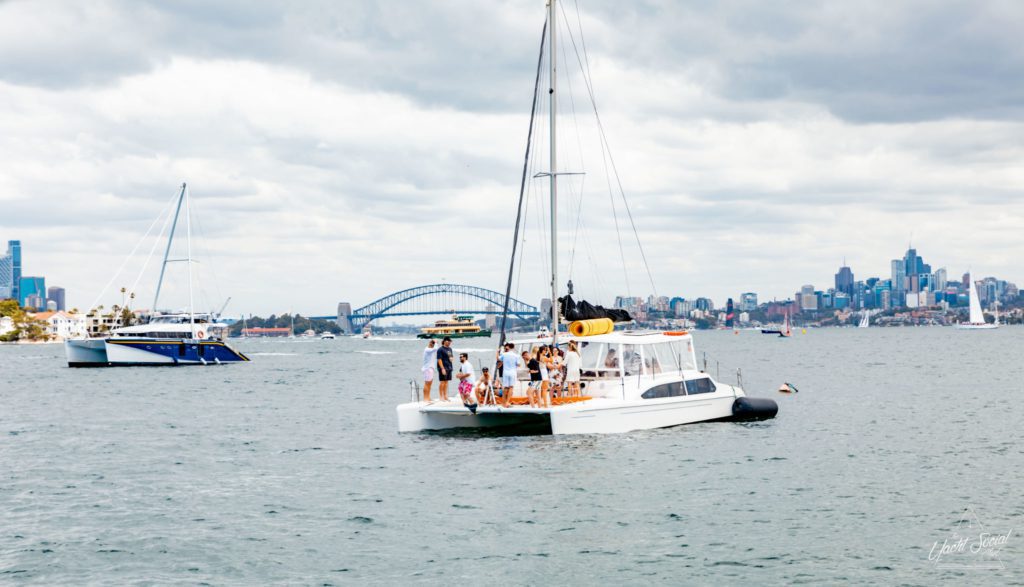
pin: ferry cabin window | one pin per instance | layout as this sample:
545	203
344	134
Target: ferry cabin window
702	385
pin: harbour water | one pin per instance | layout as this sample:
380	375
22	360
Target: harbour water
289	470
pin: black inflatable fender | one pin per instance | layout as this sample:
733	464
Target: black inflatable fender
754	408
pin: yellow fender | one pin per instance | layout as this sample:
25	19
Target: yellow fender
591	327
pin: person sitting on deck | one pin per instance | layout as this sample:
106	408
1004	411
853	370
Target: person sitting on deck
483	386
611	362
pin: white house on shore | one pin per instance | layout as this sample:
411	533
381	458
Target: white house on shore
62	325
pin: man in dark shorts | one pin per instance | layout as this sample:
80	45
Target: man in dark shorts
444	367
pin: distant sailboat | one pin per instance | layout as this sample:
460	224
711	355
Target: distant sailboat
977	317
784	332
865	320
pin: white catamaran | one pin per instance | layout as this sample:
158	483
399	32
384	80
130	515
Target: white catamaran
177	338
631	380
976	319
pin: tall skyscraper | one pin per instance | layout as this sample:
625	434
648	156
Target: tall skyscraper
914	266
10	272
844	280
56	294
899	280
6	271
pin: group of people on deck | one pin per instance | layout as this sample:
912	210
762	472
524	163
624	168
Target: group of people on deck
552	372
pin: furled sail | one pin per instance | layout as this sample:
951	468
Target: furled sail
583	310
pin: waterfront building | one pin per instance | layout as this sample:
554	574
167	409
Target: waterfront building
827	298
32	286
57	295
841	301
879	297
62	325
744	318
704	304
808	301
748	301
911	300
941	277
35	301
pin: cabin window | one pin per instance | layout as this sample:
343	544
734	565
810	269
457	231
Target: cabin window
596	360
673	389
631	359
702	385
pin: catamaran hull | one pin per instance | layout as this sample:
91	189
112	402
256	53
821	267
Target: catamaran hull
975	326
592	417
86	353
148	352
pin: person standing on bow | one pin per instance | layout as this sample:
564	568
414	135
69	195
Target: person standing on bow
429	362
573	364
509	365
445	358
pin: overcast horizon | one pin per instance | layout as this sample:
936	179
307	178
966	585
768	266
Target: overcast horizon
340	151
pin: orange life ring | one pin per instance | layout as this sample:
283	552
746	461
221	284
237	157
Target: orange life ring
200	334
676	333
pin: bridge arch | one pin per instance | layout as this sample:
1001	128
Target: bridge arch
438	298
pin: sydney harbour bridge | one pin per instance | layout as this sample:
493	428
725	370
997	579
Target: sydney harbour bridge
425	300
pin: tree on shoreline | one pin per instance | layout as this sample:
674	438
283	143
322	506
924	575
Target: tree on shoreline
25	327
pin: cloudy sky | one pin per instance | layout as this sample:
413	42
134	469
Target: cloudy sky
343	150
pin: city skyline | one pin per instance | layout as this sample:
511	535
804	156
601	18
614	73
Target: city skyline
375	156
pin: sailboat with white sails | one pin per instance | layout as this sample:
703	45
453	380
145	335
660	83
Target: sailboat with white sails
631	380
171	338
865	319
976	319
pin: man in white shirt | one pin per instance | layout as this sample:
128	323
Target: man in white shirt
467	378
429	358
509	364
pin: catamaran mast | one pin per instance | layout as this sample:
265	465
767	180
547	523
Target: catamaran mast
188	238
553	171
170	239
